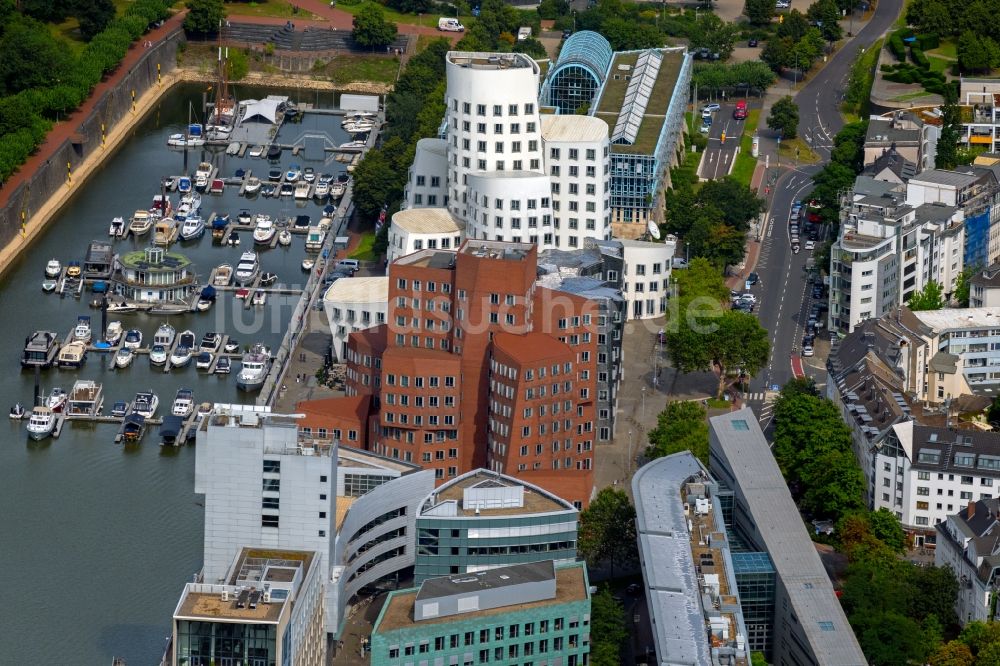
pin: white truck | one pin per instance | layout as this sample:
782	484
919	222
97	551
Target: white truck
523	33
450	25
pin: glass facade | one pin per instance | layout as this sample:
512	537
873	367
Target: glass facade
226	644
755	581
356	485
578	73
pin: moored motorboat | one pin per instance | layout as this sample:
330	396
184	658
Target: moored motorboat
255	365
223	275
293	174
17	411
145	404
164	335
303	190
157	355
49	286
82	330
257	151
141	223
259	297
117	228
264	230
247	268
41	423
204	169
113	333
184	184
133	339
308	264
321	191
217	186
244	217
53	268
183	402
284	237
231	347
234	238
120	408
268	279
210	342
56	399
223	366
181	356
337	190
204	360
206	298
124	357
252	186
193	227
286	189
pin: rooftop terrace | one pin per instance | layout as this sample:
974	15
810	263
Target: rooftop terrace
534	500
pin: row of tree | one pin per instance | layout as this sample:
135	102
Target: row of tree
798	43
742	77
33	95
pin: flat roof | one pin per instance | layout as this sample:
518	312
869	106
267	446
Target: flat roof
496	249
668	563
776	519
427	221
536	500
942	177
612	98
958	318
490	579
428	259
573	128
359	290
211	606
489	60
571	585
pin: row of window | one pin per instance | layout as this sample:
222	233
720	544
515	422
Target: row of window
512	651
574	153
418	381
418	400
512	109
433	420
335	434
501	165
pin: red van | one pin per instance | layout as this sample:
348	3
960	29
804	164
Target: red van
740	112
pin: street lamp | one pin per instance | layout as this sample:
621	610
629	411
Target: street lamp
643	403
628	465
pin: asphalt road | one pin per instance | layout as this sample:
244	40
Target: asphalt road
783	295
718	156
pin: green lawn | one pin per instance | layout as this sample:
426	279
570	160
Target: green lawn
364	249
940	64
745	162
909	97
947	49
797	149
347	68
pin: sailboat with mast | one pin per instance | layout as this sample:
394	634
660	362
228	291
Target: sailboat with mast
194	138
222	119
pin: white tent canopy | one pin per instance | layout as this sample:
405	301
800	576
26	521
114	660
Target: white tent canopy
264	110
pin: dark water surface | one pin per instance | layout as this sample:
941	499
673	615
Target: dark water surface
96	541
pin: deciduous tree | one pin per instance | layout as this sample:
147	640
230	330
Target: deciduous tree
371	28
681	426
204	16
760	12
93	16
928	298
607	530
784	117
608	629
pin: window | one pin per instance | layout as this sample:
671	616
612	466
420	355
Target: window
269	521
272	467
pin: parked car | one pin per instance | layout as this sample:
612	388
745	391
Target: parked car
807	350
810	244
705	128
710	108
753	278
752	43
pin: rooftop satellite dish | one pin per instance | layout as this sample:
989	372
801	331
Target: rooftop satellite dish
654	229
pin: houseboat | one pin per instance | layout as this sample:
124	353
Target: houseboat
155	276
170	430
40	349
164	335
85	399
165	231
72	355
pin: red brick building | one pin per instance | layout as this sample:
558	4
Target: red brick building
477	366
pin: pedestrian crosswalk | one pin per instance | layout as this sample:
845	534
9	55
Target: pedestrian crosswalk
759	396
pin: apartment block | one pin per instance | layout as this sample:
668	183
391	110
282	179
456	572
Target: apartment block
485	520
809	623
968	541
904	133
354	304
526	613
267	610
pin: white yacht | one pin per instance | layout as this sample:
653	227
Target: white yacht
247	268
123	357
252	185
210	342
82	330
223	366
284	238
255	365
337	190
201	183
114	333
302	190
322	190
117	228
133	339
190	204
192	228
57	399
41	423
145	404
164	335
257	151
264	232
141	223
183	403
53	268
204	169
204	360
157	355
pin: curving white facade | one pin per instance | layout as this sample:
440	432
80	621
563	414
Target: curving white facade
511	206
427	182
492	117
354	304
578	160
418	229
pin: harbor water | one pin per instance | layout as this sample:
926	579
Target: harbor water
98	540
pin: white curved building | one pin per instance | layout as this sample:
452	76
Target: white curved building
354	304
511	206
577	156
427	184
423	228
492	116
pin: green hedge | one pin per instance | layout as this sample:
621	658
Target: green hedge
897	47
928	42
904	72
26	117
919	59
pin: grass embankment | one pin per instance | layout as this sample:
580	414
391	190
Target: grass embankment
364	250
797	149
428	20
859	91
345	69
272	8
745	161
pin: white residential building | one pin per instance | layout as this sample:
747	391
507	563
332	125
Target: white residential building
969	542
887	251
427	184
646	274
267	486
417	229
354	304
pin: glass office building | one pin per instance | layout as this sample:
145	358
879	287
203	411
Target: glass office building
755	578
